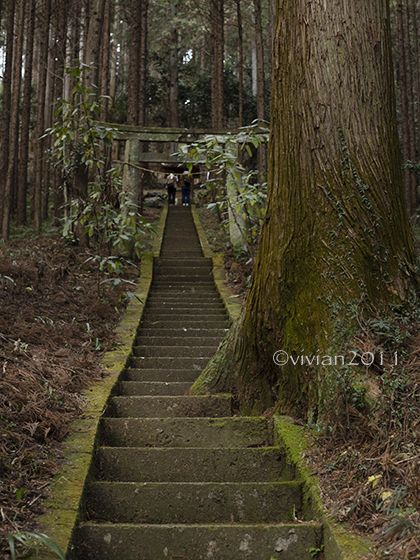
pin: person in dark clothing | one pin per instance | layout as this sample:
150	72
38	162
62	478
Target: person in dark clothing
171	191
186	189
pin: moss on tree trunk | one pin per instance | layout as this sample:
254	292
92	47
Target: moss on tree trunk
336	242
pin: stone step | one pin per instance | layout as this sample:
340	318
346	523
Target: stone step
197	502
161	289
215	406
195	542
154	388
183	464
190	250
163	332
165	312
175	262
197	363
183	351
183	266
199	305
178	341
173	297
186	432
184	324
170	375
200	279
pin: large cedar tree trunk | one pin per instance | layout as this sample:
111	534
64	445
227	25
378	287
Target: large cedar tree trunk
336	241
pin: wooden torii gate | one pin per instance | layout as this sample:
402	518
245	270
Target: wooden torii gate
134	157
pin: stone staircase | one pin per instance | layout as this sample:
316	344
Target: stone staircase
177	477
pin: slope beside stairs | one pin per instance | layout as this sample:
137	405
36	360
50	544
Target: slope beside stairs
178	477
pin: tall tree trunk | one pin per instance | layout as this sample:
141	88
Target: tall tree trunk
93	42
134	63
260	61
114	54
6	104
142	119
26	115
58	91
83	23
40	127
48	114
416	71
14	119
261	159
336	236
271	19
216	57
105	56
240	64
173	69
203	55
143	63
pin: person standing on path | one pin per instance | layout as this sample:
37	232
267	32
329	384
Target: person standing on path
186	189
171	189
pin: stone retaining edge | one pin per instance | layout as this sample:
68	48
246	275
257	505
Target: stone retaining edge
230	300
339	544
66	506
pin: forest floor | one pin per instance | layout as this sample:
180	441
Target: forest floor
57	319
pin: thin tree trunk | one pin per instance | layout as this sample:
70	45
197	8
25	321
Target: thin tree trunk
216	56
260	61
105	50
203	55
93	42
26	109
39	129
113	61
14	118
58	91
261	159
173	70
143	63
240	64
142	118
336	242
48	115
134	63
271	19
6	105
